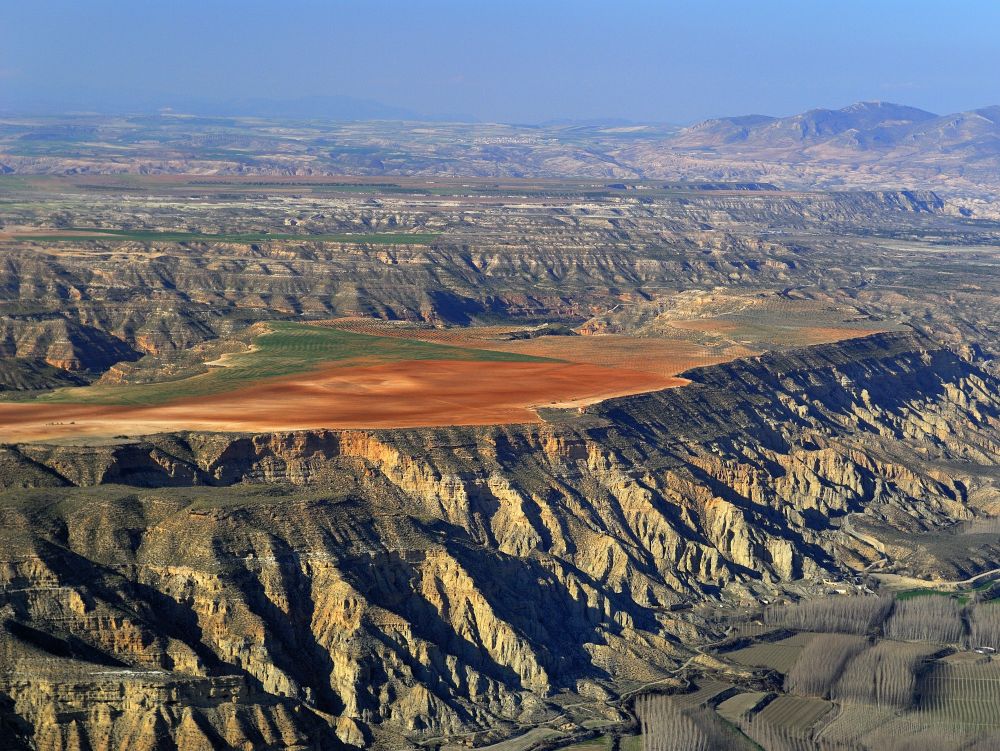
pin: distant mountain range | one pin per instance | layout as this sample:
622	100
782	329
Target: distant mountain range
875	126
869	145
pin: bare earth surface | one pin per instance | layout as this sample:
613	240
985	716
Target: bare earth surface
11	232
406	394
417	393
651	355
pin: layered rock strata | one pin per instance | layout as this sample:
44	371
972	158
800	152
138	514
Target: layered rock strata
367	587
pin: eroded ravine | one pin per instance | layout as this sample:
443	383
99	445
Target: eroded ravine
289	589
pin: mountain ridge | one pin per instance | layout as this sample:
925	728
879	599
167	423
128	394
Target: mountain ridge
869	124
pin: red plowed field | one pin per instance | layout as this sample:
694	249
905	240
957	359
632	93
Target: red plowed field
402	394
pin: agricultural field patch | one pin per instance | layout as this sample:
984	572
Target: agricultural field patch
857	687
281	349
735	707
821	663
601	743
780	656
523	742
794	712
297	376
705	693
851	722
963	693
791	323
728	320
659	354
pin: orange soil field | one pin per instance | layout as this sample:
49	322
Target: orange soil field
403	394
647	354
798	335
417	393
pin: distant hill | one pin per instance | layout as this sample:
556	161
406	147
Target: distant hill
868	145
873	145
858	127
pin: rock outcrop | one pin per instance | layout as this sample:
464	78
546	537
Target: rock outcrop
291	590
89	303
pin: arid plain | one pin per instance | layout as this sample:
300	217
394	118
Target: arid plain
554	372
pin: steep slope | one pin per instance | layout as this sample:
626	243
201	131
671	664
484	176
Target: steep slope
85	306
379	585
61	343
17	374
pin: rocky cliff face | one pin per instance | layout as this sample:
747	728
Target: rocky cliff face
84	305
283	591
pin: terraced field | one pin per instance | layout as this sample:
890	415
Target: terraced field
925	687
735	707
964	693
706	692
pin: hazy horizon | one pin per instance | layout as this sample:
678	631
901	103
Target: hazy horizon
639	61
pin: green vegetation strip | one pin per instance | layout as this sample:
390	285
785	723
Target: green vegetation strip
962	595
286	349
151	236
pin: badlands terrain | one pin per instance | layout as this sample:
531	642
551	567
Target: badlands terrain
518	438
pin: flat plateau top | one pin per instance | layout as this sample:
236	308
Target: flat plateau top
360	373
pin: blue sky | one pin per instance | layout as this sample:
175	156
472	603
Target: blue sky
505	61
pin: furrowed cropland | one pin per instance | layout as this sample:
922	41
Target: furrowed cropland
297	460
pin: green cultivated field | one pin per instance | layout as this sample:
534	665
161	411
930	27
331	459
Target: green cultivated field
287	348
602	743
910	594
87	235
